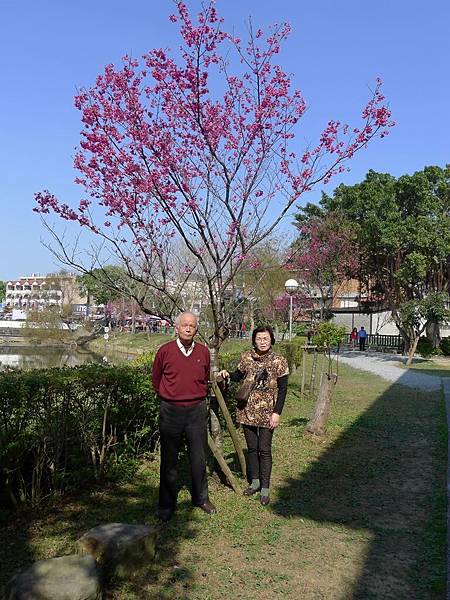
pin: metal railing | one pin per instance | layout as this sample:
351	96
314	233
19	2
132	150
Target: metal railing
375	341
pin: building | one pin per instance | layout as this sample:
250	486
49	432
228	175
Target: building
36	292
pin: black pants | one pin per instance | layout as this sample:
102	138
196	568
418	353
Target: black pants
259	455
175	422
362	343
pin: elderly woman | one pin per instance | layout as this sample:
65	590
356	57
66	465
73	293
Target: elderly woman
267	374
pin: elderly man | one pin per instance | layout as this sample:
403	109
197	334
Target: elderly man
180	378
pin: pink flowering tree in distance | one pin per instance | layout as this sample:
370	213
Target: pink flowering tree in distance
325	257
189	162
277	311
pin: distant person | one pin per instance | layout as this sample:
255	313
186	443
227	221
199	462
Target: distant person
180	377
243	330
362	337
310	334
354	338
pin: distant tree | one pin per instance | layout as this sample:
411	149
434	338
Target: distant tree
165	161
46	326
402	228
278	312
328	337
324	256
2	291
416	314
101	285
261	282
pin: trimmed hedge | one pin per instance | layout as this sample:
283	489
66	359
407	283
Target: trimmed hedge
60	428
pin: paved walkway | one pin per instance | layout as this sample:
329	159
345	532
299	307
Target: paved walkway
388	367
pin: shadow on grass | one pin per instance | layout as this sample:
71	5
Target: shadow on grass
72	517
298	422
434	372
385	475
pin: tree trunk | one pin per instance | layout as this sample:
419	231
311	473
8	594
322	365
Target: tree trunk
406	338
412	350
252	317
319	418
223	465
216	430
312	383
231	428
405	334
133	319
433	333
302	390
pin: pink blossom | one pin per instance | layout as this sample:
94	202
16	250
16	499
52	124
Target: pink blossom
167	153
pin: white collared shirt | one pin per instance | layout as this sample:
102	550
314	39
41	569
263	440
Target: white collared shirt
184	350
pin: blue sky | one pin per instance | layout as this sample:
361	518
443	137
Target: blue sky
50	48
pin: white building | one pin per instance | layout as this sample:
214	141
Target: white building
37	291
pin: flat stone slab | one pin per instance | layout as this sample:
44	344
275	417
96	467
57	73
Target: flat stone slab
120	547
64	578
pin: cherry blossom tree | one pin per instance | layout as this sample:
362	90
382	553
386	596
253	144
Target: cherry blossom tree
197	148
277	312
325	256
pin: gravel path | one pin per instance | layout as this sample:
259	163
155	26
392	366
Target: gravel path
387	367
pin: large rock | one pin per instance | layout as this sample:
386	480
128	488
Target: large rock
63	578
121	548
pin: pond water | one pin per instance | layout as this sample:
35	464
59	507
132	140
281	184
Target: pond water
38	357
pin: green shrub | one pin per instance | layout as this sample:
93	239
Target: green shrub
292	352
62	427
445	346
300	329
229	360
144	360
425	347
328	335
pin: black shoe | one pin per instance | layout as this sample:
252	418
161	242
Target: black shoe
264	500
208	508
165	514
250	491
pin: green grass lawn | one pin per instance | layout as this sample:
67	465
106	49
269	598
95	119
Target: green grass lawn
129	344
360	514
437	365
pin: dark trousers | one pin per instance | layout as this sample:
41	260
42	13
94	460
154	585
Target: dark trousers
259	453
362	343
175	422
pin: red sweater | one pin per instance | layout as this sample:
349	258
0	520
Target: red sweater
180	378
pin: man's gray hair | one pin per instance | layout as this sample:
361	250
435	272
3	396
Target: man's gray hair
186	312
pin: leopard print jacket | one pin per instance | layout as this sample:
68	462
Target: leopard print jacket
264	371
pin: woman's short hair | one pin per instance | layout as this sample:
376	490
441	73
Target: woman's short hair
263	329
